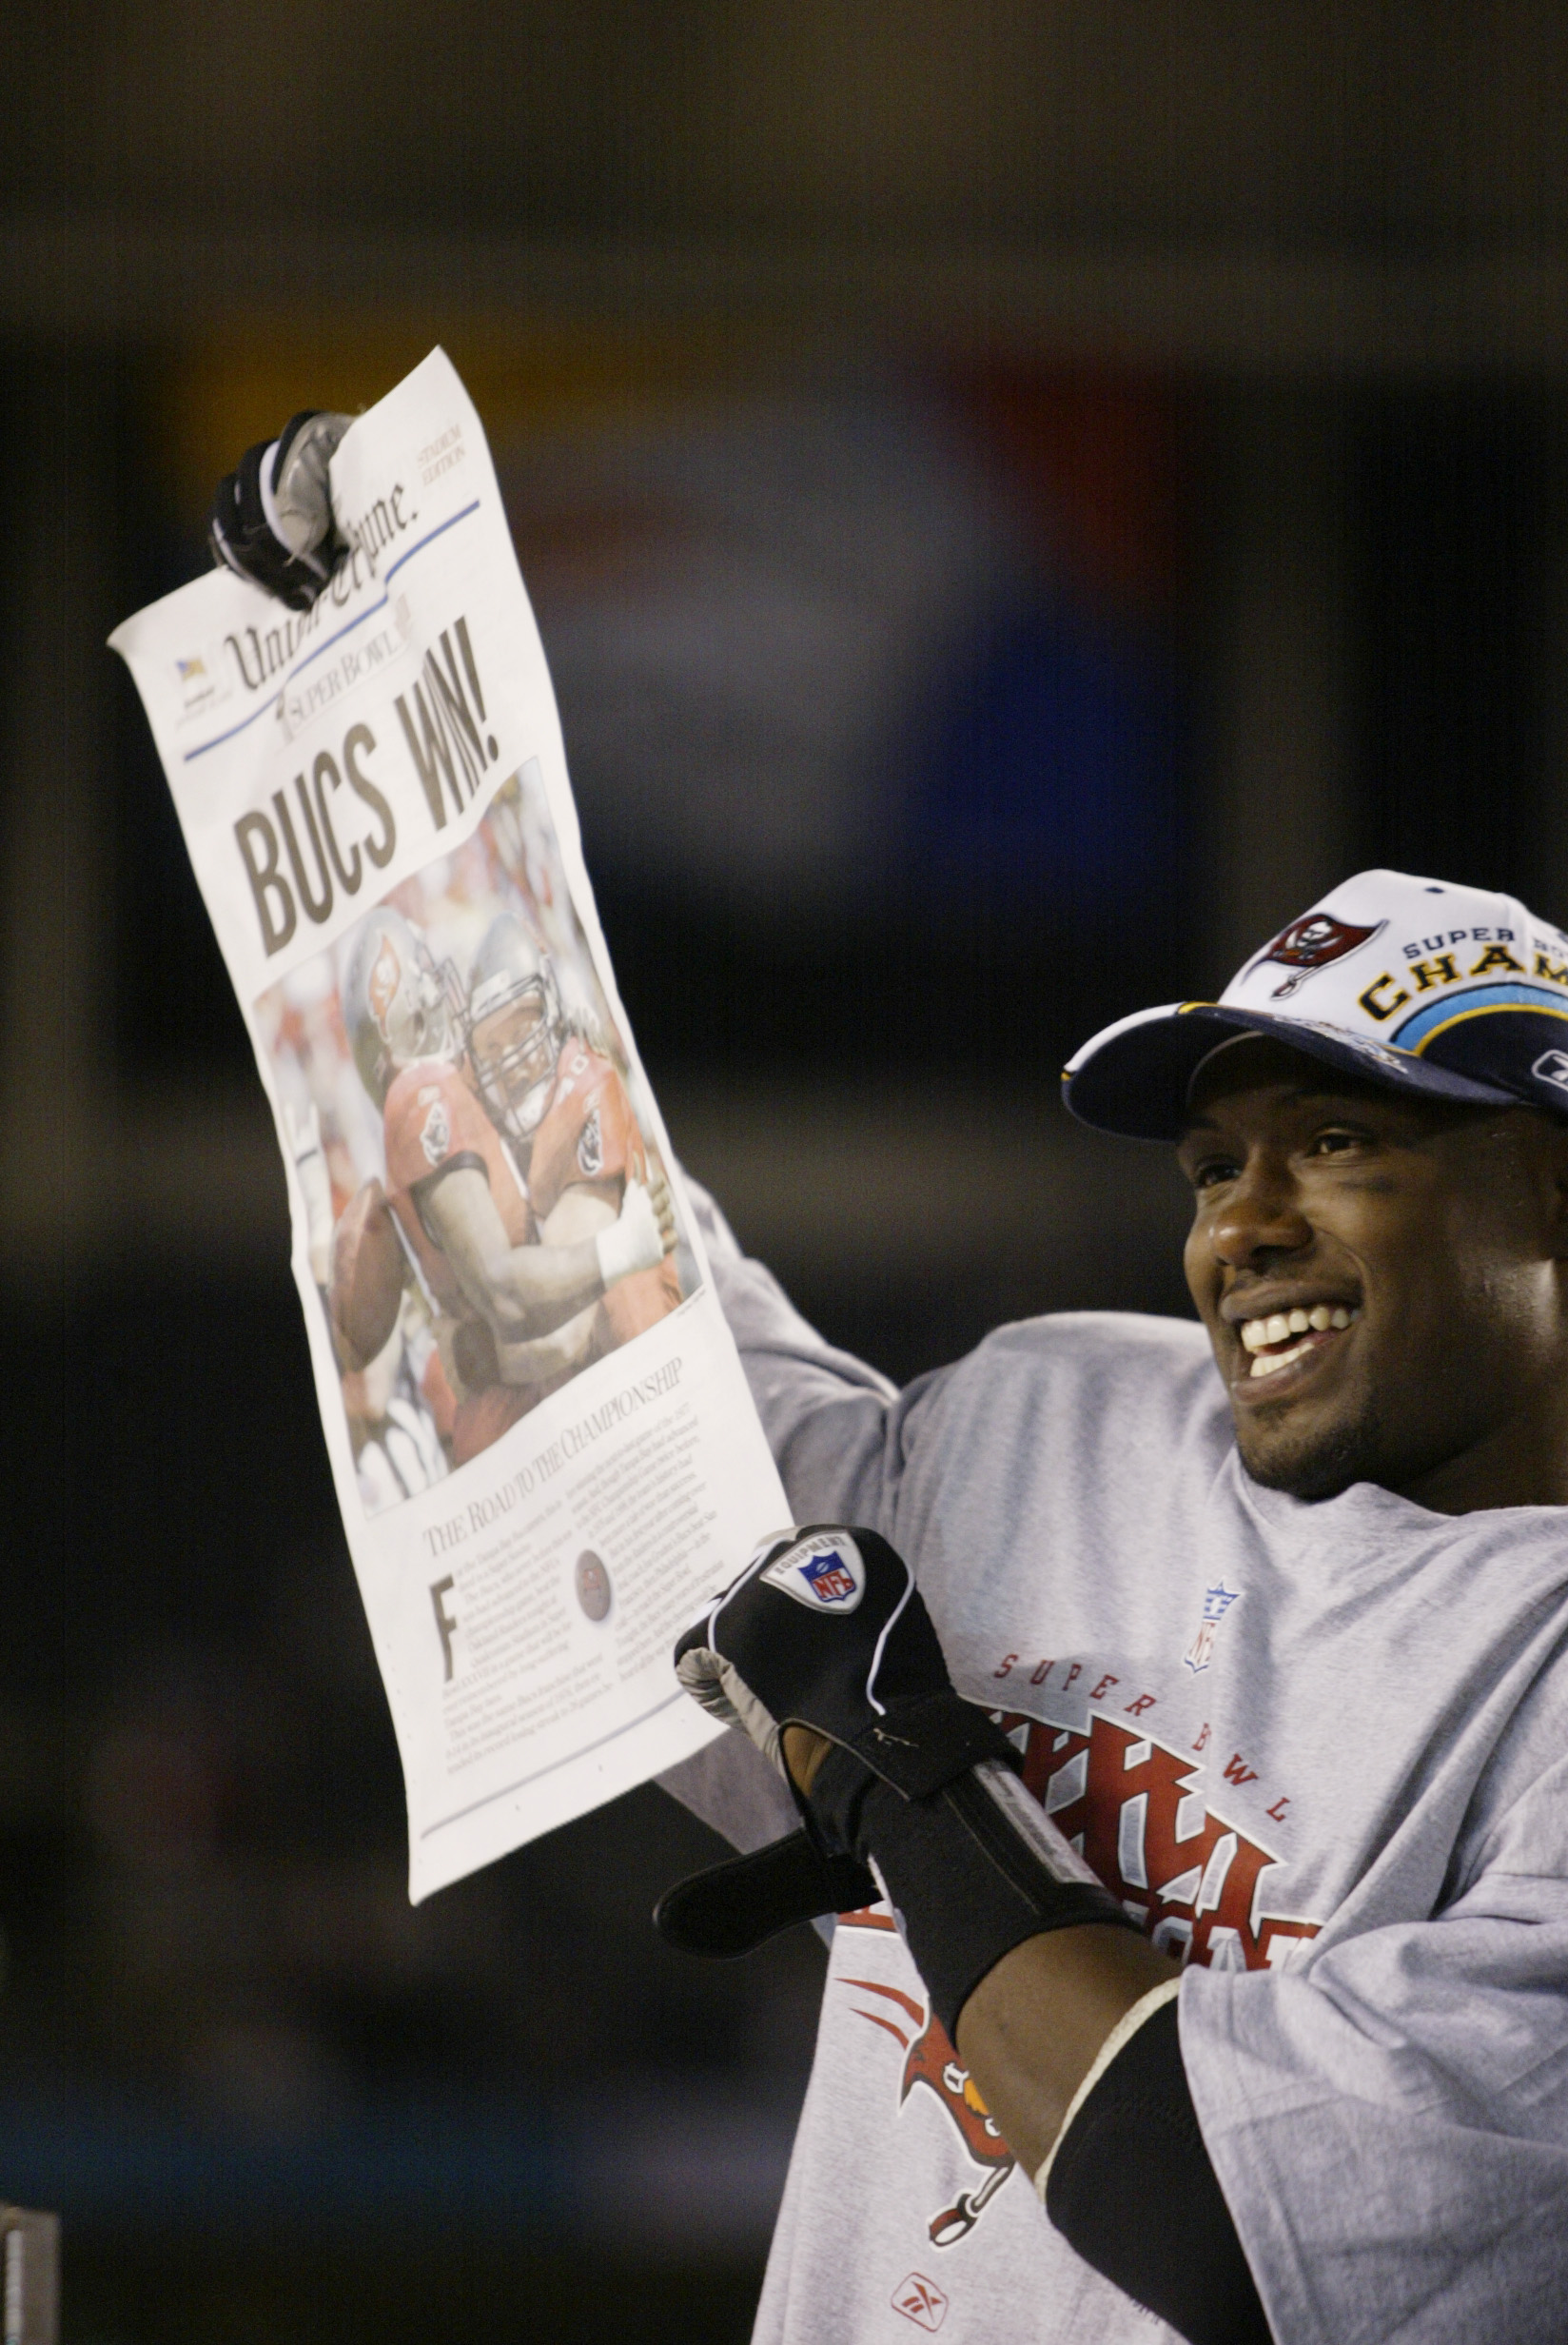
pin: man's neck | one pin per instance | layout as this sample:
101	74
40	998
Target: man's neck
1518	1465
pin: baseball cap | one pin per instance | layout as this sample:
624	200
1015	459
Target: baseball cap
1446	992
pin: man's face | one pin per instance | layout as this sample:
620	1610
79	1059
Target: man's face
1380	1278
514	1051
514	1034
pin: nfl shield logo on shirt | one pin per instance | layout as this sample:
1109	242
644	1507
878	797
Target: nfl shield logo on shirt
1217	1603
826	1573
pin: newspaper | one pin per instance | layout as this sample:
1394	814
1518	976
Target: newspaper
544	1448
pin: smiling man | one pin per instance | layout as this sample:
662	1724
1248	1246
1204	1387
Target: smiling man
1379	1278
1185	1741
1268	1993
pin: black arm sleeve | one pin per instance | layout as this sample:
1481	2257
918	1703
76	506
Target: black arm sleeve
1132	2190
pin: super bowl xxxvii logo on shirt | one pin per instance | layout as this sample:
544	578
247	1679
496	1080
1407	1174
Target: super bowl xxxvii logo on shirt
826	1573
1139	1814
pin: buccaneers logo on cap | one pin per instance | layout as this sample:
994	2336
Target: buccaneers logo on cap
1309	944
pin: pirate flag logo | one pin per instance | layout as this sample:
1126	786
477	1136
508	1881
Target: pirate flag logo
1310	944
929	2059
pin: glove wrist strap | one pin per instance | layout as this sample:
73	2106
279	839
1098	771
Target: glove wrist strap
734	1907
971	1870
917	1747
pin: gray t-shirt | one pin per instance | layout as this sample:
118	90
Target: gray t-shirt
1321	1750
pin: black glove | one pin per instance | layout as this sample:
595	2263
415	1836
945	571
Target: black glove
272	515
824	1629
920	1799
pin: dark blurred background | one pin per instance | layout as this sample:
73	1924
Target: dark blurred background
1019	498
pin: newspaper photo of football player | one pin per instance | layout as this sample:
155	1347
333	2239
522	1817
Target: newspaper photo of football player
486	1214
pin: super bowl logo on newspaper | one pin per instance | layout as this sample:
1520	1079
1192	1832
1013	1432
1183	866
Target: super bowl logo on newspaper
200	678
827	1574
1312	943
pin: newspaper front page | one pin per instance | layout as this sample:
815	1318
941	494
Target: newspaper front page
543	1445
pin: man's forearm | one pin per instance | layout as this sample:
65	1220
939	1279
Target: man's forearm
1075	2022
1034	2026
1032	2029
523	1291
538	1287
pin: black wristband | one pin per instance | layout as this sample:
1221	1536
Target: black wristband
971	1870
1132	2190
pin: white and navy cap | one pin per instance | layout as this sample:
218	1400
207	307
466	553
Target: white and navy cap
1443	991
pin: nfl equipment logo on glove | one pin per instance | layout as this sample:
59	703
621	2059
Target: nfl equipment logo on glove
825	1570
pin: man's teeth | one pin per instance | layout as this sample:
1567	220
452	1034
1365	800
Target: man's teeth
1268	1363
1280	1324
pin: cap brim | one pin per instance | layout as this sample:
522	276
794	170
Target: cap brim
1135	1078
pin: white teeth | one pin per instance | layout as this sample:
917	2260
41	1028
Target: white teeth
1268	1363
1279	1326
